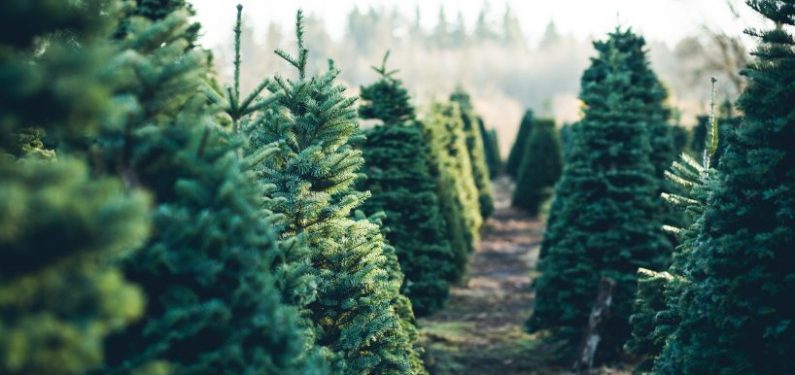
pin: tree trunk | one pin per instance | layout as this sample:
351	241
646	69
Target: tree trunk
599	314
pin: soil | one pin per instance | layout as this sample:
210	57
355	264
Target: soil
481	331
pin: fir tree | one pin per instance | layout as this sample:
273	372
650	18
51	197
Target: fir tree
655	310
213	306
606	202
61	229
477	155
447	150
310	133
736	315
491	147
398	177
518	148
540	168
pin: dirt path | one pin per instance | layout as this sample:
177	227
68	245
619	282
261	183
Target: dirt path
481	331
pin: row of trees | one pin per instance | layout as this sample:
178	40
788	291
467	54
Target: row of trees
154	222
720	304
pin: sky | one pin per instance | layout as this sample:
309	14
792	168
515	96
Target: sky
659	20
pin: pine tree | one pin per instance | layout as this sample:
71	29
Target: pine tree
213	306
606	202
447	150
310	133
491	147
736	315
540	168
655	313
61	229
477	155
517	150
398	177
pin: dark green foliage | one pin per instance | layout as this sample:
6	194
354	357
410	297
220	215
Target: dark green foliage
61	228
655	314
726	131
491	147
517	150
565	138
736	307
477	154
213	306
604	223
447	150
398	177
681	138
540	168
308	135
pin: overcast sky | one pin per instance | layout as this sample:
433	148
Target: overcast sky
659	20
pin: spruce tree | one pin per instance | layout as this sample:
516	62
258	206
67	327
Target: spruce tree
655	309
213	306
491	147
310	133
736	311
606	224
540	168
449	162
398	177
61	228
517	150
477	154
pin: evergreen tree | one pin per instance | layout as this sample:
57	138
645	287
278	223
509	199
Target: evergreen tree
736	315
540	168
491	147
444	135
726	126
606	201
213	306
398	177
309	133
61	229
517	150
477	155
655	312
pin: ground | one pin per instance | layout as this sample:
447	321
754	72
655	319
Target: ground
481	331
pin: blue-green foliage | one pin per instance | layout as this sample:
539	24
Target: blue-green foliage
310	133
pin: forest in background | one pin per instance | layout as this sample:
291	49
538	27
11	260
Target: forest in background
487	57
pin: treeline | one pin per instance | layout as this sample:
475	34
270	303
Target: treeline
153	221
709	294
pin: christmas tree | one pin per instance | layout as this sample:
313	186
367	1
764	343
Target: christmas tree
540	168
736	317
605	226
458	196
477	154
491	147
213	306
61	228
311	135
398	177
518	148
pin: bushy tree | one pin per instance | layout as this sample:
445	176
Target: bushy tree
310	135
458	195
213	306
607	202
61	229
398	177
517	150
477	154
736	315
491	147
540	168
726	126
655	313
